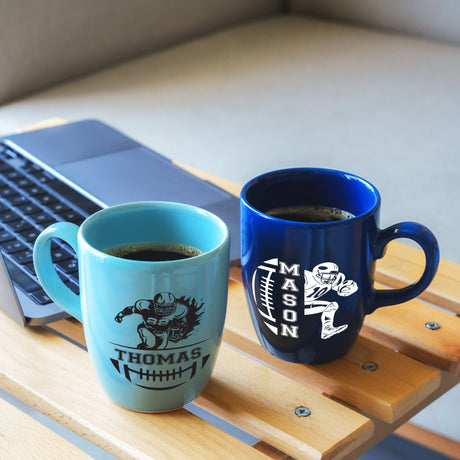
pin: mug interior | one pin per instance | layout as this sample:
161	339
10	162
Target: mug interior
160	222
311	187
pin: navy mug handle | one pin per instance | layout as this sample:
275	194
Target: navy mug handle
427	241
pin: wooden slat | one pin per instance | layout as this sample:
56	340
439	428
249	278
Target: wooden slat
228	185
48	123
383	429
23	437
431	440
271	452
56	377
396	386
69	328
239	392
403	265
263	402
402	327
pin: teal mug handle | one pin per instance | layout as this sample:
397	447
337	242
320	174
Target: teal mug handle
46	272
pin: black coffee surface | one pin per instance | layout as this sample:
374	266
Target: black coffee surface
153	252
313	214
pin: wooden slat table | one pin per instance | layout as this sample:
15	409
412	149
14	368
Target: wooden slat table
351	408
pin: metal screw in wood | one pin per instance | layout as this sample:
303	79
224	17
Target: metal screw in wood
302	411
369	366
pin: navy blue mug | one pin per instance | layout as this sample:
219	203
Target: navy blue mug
310	241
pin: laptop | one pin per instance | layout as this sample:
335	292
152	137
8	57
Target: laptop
66	173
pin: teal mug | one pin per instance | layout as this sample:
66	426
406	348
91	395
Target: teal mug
153	293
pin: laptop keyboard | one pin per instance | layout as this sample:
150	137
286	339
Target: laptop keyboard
31	198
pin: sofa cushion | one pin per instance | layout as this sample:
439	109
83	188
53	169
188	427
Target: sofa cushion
44	42
437	19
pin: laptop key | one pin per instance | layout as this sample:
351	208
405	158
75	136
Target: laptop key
59	254
69	266
16	200
35	190
21	181
30	268
85	204
72	216
3	207
19	226
23	257
8	193
8	153
28	166
47	199
30	235
9	216
21	279
29	208
74	287
13	175
4	167
43	176
13	246
42	218
58	207
5	235
40	297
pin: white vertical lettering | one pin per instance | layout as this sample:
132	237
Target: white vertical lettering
293	270
290	300
289	285
290	316
289	331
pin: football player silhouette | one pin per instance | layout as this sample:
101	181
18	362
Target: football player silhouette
322	279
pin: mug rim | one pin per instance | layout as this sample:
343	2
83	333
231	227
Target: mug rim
217	221
326	171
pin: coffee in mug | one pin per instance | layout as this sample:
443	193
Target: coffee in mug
153	252
310	213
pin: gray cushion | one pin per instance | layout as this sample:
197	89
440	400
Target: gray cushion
43	42
437	19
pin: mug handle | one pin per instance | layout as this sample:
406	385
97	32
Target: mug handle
46	272
427	241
